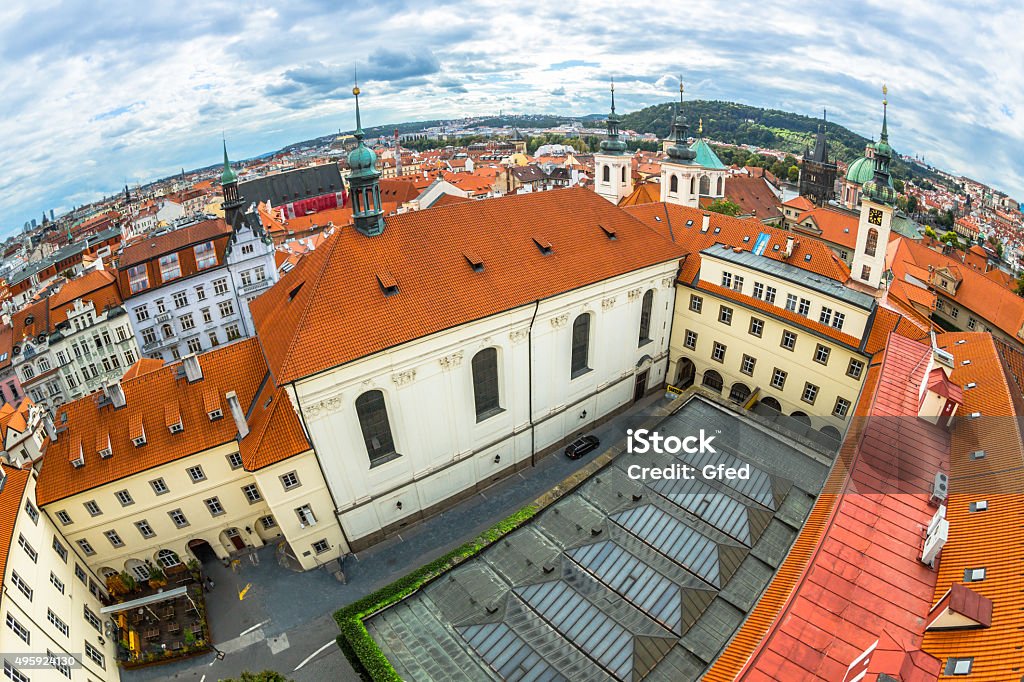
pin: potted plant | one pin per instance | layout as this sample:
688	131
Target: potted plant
129	582
157	578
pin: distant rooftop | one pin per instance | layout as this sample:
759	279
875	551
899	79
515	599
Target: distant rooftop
792	273
620	579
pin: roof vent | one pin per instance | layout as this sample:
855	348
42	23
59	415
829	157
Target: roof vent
975	415
960	342
294	292
474	260
608	232
966	362
971	385
978	454
116	394
387	283
543	245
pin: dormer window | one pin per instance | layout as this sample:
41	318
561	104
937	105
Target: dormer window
78	461
474	260
543	245
139	441
105	453
214	415
176	427
388	283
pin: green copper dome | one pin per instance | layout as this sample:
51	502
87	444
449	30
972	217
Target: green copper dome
363	161
612	144
706	156
861	170
679	152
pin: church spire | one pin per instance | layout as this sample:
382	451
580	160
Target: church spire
229	188
612	144
679	152
362	181
880	186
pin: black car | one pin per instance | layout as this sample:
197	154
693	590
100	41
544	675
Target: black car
581	446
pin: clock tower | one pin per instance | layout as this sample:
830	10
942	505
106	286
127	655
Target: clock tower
875	213
613	168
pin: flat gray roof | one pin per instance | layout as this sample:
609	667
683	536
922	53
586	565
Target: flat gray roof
792	273
620	579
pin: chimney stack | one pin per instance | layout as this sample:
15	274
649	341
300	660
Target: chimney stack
705	222
116	394
238	414
193	372
789	247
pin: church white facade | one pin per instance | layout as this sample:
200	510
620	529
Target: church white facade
444	447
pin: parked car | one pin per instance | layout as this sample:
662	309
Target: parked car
581	446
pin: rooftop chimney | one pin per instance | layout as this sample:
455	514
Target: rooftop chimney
705	222
238	414
789	247
116	394
193	372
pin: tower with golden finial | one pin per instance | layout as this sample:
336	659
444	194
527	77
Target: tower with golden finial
875	211
364	188
679	171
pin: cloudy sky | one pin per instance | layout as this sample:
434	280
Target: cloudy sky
99	94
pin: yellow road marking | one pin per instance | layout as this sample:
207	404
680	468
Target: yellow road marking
241	595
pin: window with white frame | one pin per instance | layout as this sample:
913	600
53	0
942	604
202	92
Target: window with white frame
196	473
220	287
779	378
169	267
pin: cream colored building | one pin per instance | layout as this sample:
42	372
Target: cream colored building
50	604
196	459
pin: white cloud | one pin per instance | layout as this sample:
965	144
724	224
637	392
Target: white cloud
98	94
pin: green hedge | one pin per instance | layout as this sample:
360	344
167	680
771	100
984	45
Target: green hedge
362	652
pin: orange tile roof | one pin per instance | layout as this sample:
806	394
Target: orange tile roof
13	417
142	366
276	433
31	321
754	196
98	287
10	506
6	345
336	287
984	297
153	246
993	539
643	193
858	576
672	219
837	227
800	203
238	367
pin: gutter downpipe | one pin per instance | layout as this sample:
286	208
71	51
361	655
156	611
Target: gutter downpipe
529	383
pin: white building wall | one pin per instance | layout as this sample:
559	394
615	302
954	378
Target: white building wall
428	388
82	588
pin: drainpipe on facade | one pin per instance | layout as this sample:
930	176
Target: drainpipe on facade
529	383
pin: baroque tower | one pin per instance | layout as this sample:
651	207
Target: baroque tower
875	212
613	168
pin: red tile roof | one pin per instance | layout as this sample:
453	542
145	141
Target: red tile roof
154	246
150	398
837	227
98	287
863	578
800	203
671	220
10	506
754	196
337	286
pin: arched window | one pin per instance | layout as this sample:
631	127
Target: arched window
721	187
673	184
28	371
485	383
168	331
645	317
108	572
373	421
167	558
580	344
872	242
693	186
623	174
705	185
713	380
606	174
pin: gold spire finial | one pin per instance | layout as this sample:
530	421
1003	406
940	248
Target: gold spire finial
700	125
885	94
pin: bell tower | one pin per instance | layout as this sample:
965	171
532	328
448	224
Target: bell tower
613	168
679	171
875	212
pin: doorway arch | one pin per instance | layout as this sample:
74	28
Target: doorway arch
685	373
772	403
202	550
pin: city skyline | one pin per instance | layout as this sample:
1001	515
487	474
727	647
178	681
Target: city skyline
134	98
